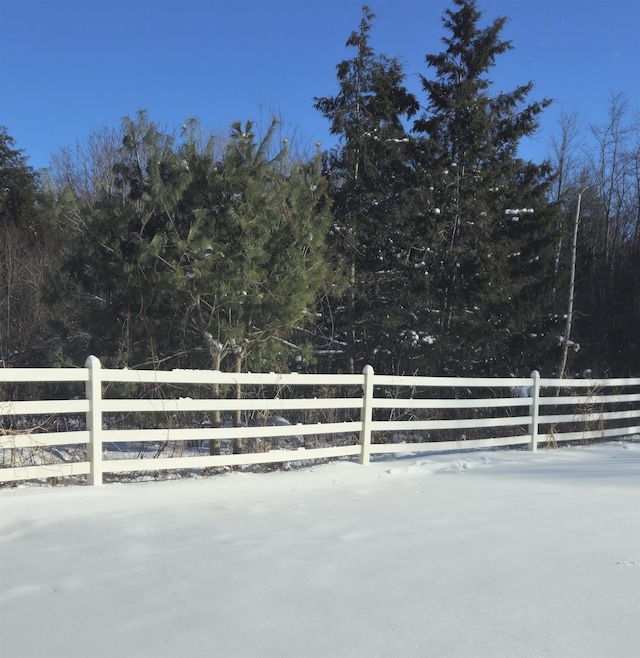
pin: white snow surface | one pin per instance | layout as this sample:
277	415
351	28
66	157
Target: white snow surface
481	554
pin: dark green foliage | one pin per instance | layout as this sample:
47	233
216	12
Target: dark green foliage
190	258
444	232
18	185
487	280
367	174
24	250
444	251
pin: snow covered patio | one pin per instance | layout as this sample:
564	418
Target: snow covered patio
483	554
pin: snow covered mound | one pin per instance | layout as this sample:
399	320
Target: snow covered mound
485	554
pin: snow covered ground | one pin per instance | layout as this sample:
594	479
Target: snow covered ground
484	554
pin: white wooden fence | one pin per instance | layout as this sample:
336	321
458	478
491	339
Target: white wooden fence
373	414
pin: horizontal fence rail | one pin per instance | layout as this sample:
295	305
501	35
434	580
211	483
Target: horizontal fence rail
97	423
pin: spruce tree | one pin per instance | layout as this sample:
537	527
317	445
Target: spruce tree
367	175
484	286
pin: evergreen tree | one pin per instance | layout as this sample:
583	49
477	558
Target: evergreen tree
259	258
24	253
186	255
484	283
111	291
367	174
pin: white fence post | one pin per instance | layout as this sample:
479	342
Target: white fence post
366	415
94	420
535	409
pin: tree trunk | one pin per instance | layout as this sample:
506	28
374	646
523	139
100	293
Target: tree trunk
216	358
351	320
215	349
238	444
572	285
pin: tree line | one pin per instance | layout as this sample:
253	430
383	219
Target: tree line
421	243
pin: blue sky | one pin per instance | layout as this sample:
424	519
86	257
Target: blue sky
68	67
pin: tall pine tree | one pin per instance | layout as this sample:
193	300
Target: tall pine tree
367	175
189	258
483	295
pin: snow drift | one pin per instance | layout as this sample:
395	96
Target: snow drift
484	554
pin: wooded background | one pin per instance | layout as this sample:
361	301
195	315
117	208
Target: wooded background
423	243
